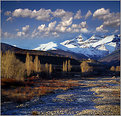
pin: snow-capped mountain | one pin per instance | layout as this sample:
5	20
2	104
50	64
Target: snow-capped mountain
95	46
48	46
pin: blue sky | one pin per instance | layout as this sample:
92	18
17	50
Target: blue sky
28	24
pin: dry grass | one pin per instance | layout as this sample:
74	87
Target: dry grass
26	92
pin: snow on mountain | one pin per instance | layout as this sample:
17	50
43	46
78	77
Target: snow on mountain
95	46
48	46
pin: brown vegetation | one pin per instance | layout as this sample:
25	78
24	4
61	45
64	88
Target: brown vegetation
85	68
11	67
27	90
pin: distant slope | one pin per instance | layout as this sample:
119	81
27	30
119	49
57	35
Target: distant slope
44	56
69	54
5	47
112	59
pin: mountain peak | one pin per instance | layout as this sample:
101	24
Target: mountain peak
47	46
95	46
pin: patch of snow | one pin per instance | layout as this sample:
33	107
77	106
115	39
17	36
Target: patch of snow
47	46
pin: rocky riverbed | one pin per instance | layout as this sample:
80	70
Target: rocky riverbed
93	96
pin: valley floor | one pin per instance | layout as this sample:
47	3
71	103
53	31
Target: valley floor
85	96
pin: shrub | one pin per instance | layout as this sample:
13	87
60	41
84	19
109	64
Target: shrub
117	68
85	67
112	68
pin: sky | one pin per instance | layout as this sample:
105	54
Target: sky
28	24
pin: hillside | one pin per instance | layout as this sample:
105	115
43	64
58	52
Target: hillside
5	47
112	59
44	56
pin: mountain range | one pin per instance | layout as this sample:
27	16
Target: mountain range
94	47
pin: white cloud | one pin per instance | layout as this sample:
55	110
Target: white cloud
99	13
66	22
75	26
83	24
9	19
41	27
110	19
101	29
59	13
116	31
41	14
55	34
69	29
78	15
113	20
19	34
60	28
75	30
17	12
88	14
7	35
51	26
25	29
24	32
84	30
7	13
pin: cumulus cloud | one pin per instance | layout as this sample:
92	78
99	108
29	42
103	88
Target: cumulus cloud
116	31
84	30
41	14
75	26
24	32
66	22
59	13
60	28
83	24
88	14
110	19
51	26
99	13
41	28
101	29
55	34
25	29
113	20
7	35
19	34
9	19
78	15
